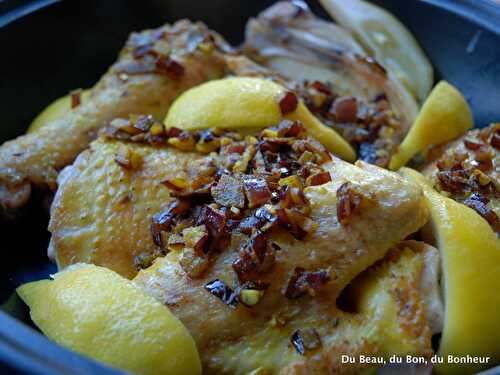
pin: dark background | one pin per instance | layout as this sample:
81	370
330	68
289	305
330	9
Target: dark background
70	44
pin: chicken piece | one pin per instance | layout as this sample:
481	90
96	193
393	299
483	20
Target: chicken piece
390	318
102	211
153	69
343	250
288	38
103	208
355	214
468	171
430	289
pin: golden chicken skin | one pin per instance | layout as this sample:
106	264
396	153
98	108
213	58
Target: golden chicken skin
392	313
255	226
102	211
114	204
154	67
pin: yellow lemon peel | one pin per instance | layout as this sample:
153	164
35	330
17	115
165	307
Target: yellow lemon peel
444	116
244	102
386	39
470	253
55	110
96	312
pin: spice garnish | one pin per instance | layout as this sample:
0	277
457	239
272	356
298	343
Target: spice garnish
245	185
349	200
76	98
288	102
219	289
304	282
307	339
467	174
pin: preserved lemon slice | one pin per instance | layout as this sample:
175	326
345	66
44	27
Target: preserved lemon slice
386	39
55	110
470	253
96	312
242	102
444	116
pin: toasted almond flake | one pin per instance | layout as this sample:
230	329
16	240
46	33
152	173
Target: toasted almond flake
195	237
76	98
292	181
318	179
128	159
157	129
175	242
176	183
192	263
250	297
182	144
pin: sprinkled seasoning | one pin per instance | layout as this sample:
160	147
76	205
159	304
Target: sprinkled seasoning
303	282
288	102
244	186
219	289
304	340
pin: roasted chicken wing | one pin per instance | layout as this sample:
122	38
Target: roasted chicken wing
152	70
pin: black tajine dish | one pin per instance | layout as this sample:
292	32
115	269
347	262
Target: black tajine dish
50	47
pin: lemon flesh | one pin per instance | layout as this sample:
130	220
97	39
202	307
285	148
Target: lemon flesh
96	312
242	102
444	116
470	253
55	110
386	39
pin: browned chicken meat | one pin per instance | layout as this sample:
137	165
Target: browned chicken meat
102	211
262	231
152	70
307	335
468	170
344	87
116	188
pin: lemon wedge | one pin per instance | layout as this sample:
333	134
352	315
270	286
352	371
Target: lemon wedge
386	39
96	312
243	102
444	116
55	110
470	253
